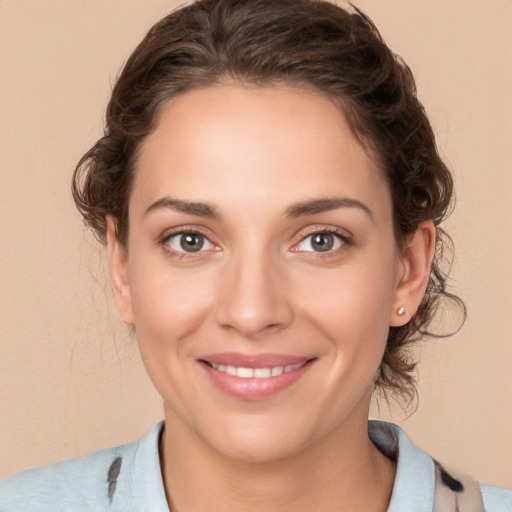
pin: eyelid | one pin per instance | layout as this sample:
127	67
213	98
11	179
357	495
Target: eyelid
343	235
208	245
185	230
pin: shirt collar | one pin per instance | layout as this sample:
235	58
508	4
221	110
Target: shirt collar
413	488
415	478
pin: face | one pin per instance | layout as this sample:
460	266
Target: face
261	271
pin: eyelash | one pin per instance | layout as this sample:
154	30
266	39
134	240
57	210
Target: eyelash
342	236
165	242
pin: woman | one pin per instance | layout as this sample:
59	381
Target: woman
270	193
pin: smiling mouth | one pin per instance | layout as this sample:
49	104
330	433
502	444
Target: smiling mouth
255	373
254	377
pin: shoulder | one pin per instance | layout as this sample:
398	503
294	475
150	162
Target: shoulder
63	485
424	485
88	483
465	494
496	499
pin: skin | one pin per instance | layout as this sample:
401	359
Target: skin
254	156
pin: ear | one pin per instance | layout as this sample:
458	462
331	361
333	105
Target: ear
118	267
413	278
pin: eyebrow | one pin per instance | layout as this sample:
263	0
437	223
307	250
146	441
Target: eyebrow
303	208
323	205
190	207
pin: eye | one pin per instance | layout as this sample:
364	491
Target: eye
189	242
324	241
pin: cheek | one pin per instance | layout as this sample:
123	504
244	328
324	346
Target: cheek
353	299
170	309
168	304
350	305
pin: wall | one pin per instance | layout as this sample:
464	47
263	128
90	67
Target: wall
70	376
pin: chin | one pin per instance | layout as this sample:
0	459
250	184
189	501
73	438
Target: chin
259	449
253	439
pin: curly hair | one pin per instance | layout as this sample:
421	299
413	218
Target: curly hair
311	44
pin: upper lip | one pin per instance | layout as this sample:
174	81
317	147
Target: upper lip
267	360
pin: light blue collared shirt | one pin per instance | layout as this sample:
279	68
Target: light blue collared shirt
128	478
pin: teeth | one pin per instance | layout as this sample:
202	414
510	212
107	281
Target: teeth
245	373
277	370
262	373
231	370
258	373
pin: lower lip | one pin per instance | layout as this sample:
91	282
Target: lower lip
254	389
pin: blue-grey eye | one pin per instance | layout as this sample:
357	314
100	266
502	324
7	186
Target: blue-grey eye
189	242
320	242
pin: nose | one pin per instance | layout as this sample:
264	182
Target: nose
253	299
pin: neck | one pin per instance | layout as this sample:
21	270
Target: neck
343	471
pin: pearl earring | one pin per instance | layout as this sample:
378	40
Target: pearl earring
401	311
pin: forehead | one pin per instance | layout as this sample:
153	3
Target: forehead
276	142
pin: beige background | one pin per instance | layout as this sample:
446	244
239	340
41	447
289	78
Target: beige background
70	376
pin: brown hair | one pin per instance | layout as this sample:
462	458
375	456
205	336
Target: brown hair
303	43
